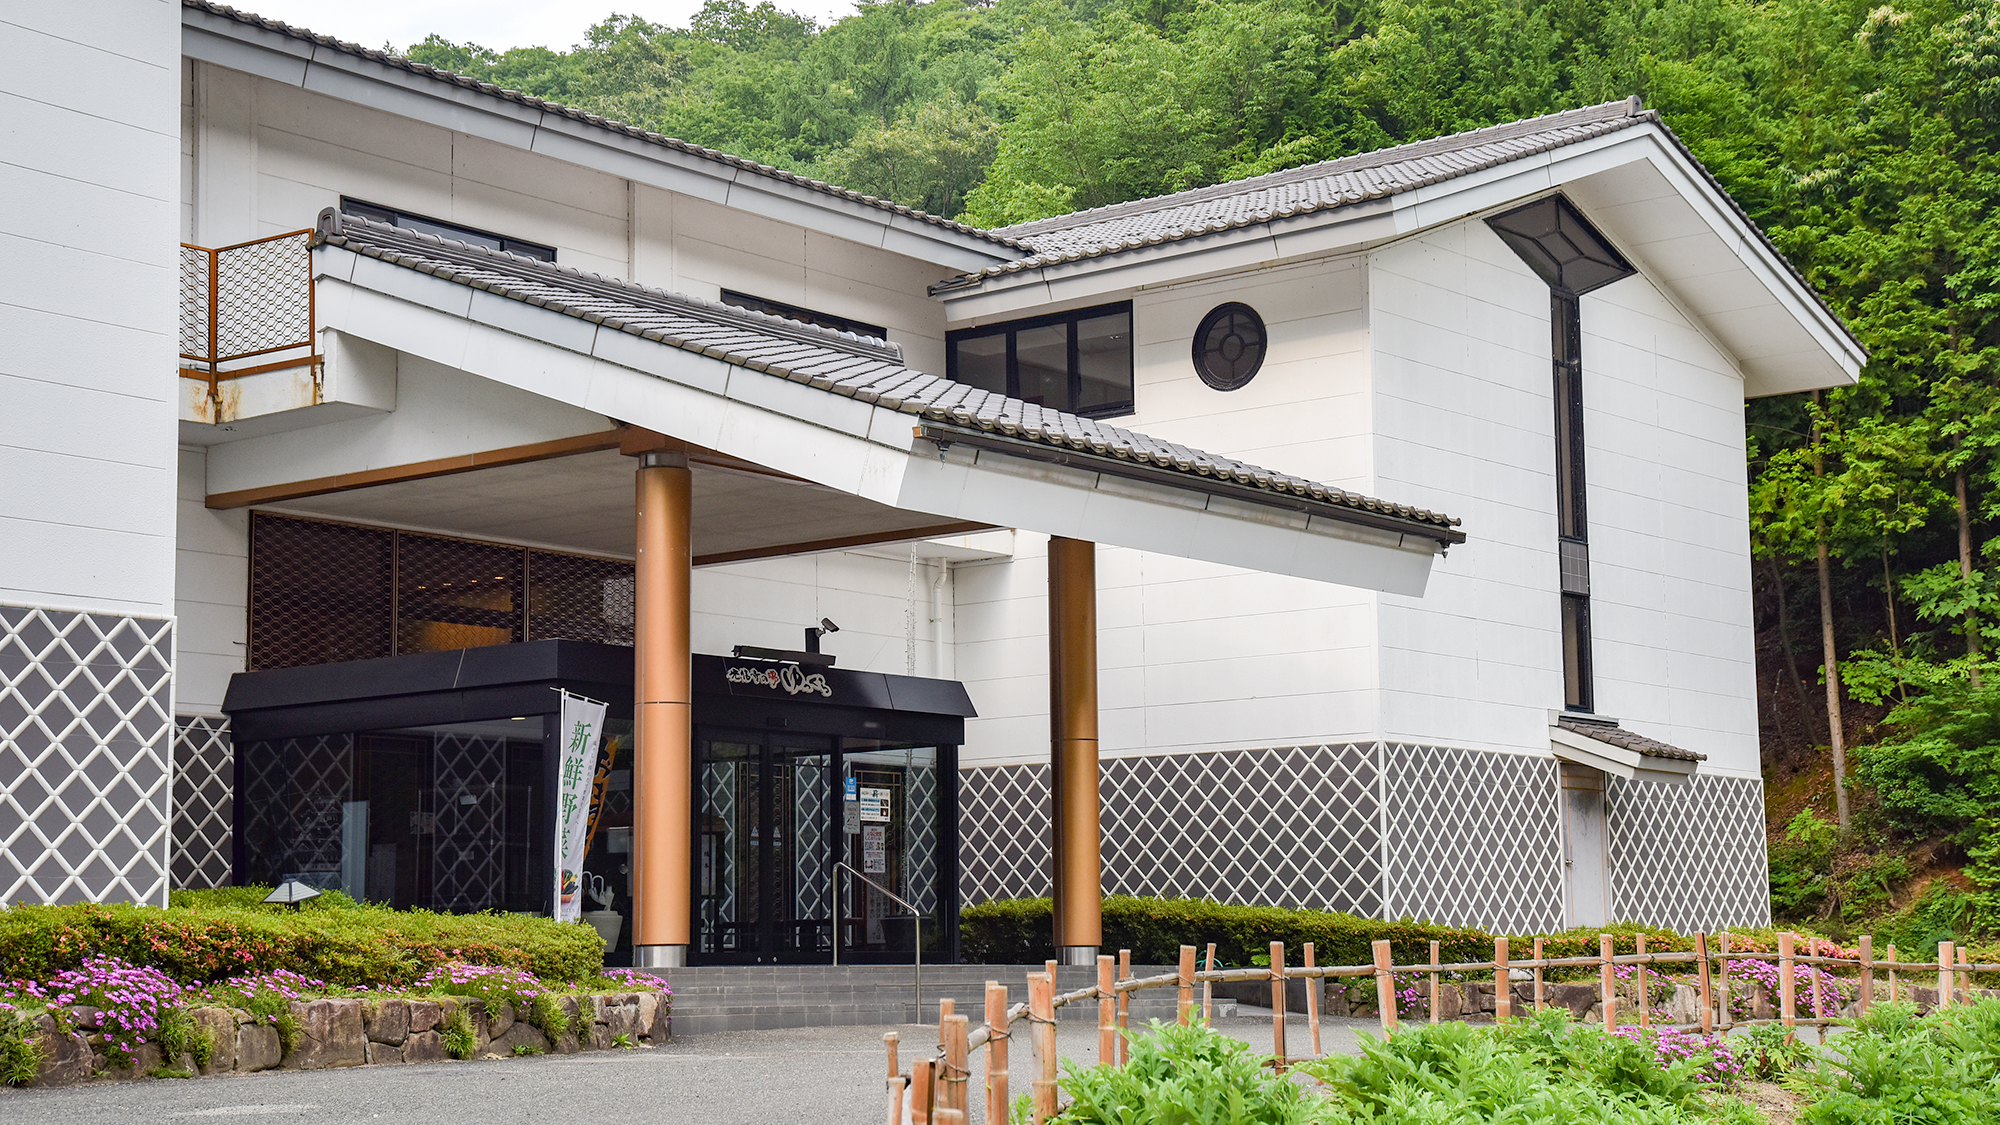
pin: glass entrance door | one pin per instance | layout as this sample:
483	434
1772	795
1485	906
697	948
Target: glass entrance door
764	847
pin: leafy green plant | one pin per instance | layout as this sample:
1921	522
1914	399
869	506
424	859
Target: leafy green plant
461	1041
545	1015
179	1035
165	1071
1943	1069
1801	865
1769	1052
523	1050
20	1053
623	1041
1183	1074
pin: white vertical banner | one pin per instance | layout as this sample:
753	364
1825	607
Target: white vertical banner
576	768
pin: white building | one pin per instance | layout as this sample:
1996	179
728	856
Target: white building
1290	693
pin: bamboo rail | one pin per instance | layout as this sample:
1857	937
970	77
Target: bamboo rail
934	1090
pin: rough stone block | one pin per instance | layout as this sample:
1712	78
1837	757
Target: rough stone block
423	1047
66	1057
1685	1005
519	1035
500	1017
1580	999
387	1021
425	1015
1451	1003
622	1019
330	1035
145	1058
257	1047
383	1054
652	1016
219	1024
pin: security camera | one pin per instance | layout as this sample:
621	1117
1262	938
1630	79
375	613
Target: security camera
826	625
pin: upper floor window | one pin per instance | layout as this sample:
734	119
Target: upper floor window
803	316
1079	361
423	224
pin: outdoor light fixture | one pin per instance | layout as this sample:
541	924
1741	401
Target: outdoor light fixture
293	892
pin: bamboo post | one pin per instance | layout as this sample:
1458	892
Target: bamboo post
1278	1003
1607	981
955	1070
896	1081
1706	977
1892	973
1787	987
1042	1010
996	1052
1946	958
1107	1010
1313	986
1965	971
1385	987
1185	1007
1723	1014
923	1072
1865	991
1639	978
1434	982
1540	1001
1503	982
1125	1008
1208	987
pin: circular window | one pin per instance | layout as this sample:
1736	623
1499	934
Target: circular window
1229	346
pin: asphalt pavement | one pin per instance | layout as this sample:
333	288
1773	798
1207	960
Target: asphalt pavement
827	1074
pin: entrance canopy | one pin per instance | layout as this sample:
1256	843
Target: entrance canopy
833	426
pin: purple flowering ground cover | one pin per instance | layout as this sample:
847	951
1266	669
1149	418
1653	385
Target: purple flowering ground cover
129	977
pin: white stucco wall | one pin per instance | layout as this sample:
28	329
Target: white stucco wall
261	157
1465	422
1191	655
87	305
211	591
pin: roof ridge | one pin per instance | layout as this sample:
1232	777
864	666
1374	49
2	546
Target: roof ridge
1354	162
571	112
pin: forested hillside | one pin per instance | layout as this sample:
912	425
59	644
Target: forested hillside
1861	135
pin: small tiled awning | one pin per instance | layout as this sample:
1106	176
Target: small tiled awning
1604	745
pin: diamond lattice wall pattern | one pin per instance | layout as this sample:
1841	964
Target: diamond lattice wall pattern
1475	838
204	801
1688	856
1294	826
86	735
1003	817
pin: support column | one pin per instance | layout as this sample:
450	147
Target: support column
1079	925
663	717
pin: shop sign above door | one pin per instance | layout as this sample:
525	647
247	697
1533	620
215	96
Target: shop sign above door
788	678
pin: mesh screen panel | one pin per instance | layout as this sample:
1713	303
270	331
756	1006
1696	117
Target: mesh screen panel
323	592
319	592
454	593
574	598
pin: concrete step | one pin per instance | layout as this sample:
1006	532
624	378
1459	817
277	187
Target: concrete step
710	998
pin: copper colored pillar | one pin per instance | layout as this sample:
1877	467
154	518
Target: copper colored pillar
663	718
1073	748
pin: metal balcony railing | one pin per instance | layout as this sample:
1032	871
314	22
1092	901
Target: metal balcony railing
247	301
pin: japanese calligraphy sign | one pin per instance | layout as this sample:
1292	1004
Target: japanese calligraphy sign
581	730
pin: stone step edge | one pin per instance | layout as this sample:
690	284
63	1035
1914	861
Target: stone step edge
338	1033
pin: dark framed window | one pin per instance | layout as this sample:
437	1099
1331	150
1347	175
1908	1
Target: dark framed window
424	224
1572	257
1078	361
1229	346
323	592
803	315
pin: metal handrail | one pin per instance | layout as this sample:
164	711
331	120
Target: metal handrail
916	919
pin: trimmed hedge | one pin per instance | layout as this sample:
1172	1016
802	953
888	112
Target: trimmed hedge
1019	932
211	935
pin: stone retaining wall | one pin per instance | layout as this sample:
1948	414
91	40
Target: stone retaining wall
353	1032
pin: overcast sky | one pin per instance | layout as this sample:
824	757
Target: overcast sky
499	24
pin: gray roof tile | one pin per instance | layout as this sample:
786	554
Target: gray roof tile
837	362
1611	734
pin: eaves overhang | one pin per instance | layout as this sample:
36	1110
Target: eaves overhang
237	40
1604	745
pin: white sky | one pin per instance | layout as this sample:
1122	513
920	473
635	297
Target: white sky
498	24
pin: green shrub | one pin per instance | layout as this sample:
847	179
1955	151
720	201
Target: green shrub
178	1034
1179	1075
211	935
1802	865
460	1040
1018	932
20	1054
1943	1069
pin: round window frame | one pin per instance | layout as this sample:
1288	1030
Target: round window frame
1199	350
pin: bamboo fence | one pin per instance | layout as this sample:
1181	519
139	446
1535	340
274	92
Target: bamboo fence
935	1089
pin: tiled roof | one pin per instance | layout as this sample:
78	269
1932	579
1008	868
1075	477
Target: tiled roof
1300	191
852	366
1611	734
460	80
